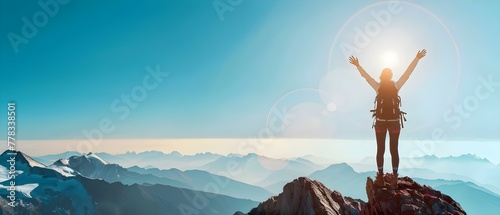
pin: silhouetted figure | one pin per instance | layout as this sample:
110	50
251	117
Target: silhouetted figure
387	113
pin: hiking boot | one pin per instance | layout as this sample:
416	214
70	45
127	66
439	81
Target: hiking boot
394	181
379	180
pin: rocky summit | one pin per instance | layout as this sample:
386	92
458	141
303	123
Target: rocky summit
409	198
306	196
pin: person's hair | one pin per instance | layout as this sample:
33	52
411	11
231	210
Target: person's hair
386	75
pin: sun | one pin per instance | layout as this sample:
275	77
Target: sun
390	59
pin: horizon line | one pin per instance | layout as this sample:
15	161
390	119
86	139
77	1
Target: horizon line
333	149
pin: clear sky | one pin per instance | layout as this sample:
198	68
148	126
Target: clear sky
241	70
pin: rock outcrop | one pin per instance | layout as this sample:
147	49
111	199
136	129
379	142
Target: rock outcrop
409	198
302	196
306	196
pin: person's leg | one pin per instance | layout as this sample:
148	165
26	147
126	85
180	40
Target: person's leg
394	139
394	130
380	134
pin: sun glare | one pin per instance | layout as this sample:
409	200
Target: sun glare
390	59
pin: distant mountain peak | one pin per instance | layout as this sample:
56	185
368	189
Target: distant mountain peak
61	162
176	153
23	158
468	155
430	156
343	164
31	161
472	156
153	151
234	155
341	167
205	153
255	155
249	155
464	157
93	157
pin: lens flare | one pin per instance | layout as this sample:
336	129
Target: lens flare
390	59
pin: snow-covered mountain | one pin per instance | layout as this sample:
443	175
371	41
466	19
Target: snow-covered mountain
43	190
93	166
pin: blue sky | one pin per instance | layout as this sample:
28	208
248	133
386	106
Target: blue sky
227	76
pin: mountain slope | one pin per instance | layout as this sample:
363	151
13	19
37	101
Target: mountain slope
473	198
202	180
343	178
484	203
116	198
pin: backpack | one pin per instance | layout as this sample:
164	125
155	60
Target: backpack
387	103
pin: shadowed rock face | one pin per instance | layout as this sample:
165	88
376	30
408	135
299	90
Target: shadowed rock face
306	196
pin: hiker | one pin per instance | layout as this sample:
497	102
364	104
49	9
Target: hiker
388	121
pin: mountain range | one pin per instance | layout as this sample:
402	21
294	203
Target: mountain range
260	170
43	190
155	159
257	177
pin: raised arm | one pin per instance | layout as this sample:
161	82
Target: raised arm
374	84
402	80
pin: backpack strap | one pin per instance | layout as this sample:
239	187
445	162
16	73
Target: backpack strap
402	113
374	111
402	118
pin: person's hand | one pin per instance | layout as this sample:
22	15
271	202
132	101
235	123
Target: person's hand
354	61
421	53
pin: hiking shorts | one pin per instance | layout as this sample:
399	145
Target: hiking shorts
384	126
